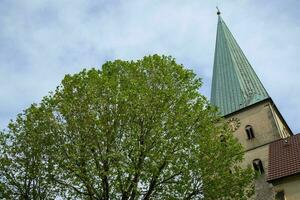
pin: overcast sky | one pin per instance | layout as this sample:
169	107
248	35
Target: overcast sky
41	41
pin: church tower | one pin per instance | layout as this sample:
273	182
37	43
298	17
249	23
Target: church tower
244	102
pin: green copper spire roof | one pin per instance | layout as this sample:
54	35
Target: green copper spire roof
235	84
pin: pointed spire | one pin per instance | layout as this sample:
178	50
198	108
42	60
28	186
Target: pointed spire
235	85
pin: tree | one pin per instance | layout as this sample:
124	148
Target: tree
24	163
132	130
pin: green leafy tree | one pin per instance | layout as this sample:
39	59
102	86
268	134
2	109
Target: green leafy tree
132	130
24	163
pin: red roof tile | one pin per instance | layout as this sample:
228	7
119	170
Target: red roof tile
284	158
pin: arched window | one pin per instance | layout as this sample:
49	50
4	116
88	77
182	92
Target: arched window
249	131
280	195
257	165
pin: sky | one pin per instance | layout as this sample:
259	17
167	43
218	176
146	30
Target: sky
41	41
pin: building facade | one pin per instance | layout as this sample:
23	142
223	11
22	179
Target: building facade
255	121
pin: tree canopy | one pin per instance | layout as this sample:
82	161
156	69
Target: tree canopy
132	130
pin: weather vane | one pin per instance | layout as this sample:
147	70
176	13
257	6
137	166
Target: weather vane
218	13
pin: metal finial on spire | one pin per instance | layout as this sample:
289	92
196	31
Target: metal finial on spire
218	13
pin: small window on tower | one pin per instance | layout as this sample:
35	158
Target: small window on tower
249	132
280	195
258	167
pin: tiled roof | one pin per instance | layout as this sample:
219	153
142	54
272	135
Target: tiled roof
284	158
235	85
